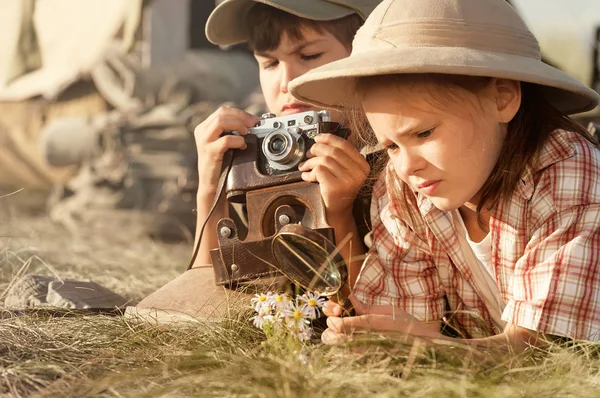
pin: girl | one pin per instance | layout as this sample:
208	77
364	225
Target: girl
288	38
486	220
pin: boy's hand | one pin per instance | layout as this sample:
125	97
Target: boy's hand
211	146
340	170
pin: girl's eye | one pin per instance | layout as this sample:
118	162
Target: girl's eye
310	57
424	134
391	148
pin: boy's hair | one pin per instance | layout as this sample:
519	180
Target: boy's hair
527	132
272	23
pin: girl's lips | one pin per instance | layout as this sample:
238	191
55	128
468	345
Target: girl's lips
428	187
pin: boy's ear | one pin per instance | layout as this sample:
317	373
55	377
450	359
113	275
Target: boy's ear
508	98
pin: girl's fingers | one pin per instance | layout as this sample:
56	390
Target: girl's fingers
331	337
332	309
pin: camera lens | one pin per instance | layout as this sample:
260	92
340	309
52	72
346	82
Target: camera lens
277	145
283	149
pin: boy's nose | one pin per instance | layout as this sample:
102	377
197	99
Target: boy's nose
288	73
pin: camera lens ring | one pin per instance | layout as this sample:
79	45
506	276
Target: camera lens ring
282	149
278	146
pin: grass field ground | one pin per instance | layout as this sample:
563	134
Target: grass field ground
62	354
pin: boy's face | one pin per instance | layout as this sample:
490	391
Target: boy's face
443	152
291	59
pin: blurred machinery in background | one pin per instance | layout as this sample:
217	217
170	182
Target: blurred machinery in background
97	112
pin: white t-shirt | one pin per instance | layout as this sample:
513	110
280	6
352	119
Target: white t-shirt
482	250
479	257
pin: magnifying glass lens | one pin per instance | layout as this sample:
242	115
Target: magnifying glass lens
307	263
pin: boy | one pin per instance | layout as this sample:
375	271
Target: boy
288	38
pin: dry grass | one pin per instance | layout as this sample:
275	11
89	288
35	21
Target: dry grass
69	355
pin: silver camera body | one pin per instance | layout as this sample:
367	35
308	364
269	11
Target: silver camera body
285	140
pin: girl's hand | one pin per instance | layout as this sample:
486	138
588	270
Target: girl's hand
340	170
374	319
211	146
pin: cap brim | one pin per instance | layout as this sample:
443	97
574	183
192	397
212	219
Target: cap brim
226	25
333	85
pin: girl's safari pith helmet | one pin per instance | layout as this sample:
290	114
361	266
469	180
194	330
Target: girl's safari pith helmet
227	24
463	37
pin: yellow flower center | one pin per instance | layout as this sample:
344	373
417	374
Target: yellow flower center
279	299
312	302
297	315
262	298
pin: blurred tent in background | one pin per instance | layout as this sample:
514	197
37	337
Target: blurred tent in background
45	49
98	99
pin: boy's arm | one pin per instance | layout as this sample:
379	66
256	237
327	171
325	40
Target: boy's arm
350	246
211	147
341	172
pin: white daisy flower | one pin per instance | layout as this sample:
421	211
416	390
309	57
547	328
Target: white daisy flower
290	302
261	302
281	302
312	304
295	318
305	335
261	319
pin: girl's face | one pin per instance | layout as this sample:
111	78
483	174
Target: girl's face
443	151
291	59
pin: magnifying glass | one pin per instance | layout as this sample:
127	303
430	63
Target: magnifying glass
310	260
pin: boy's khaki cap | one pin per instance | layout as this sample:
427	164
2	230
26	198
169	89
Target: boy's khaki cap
461	37
227	23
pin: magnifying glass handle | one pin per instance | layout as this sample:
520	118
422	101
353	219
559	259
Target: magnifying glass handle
346	304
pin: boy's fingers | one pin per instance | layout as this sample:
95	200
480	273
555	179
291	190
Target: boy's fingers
224	123
228	142
225	118
248	119
331	145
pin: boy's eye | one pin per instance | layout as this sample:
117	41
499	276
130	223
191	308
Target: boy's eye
270	64
310	57
424	134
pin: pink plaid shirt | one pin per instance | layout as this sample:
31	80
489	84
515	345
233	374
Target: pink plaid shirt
545	251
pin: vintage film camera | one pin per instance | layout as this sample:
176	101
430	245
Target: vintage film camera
281	207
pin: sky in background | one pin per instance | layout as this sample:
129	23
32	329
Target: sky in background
565	29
